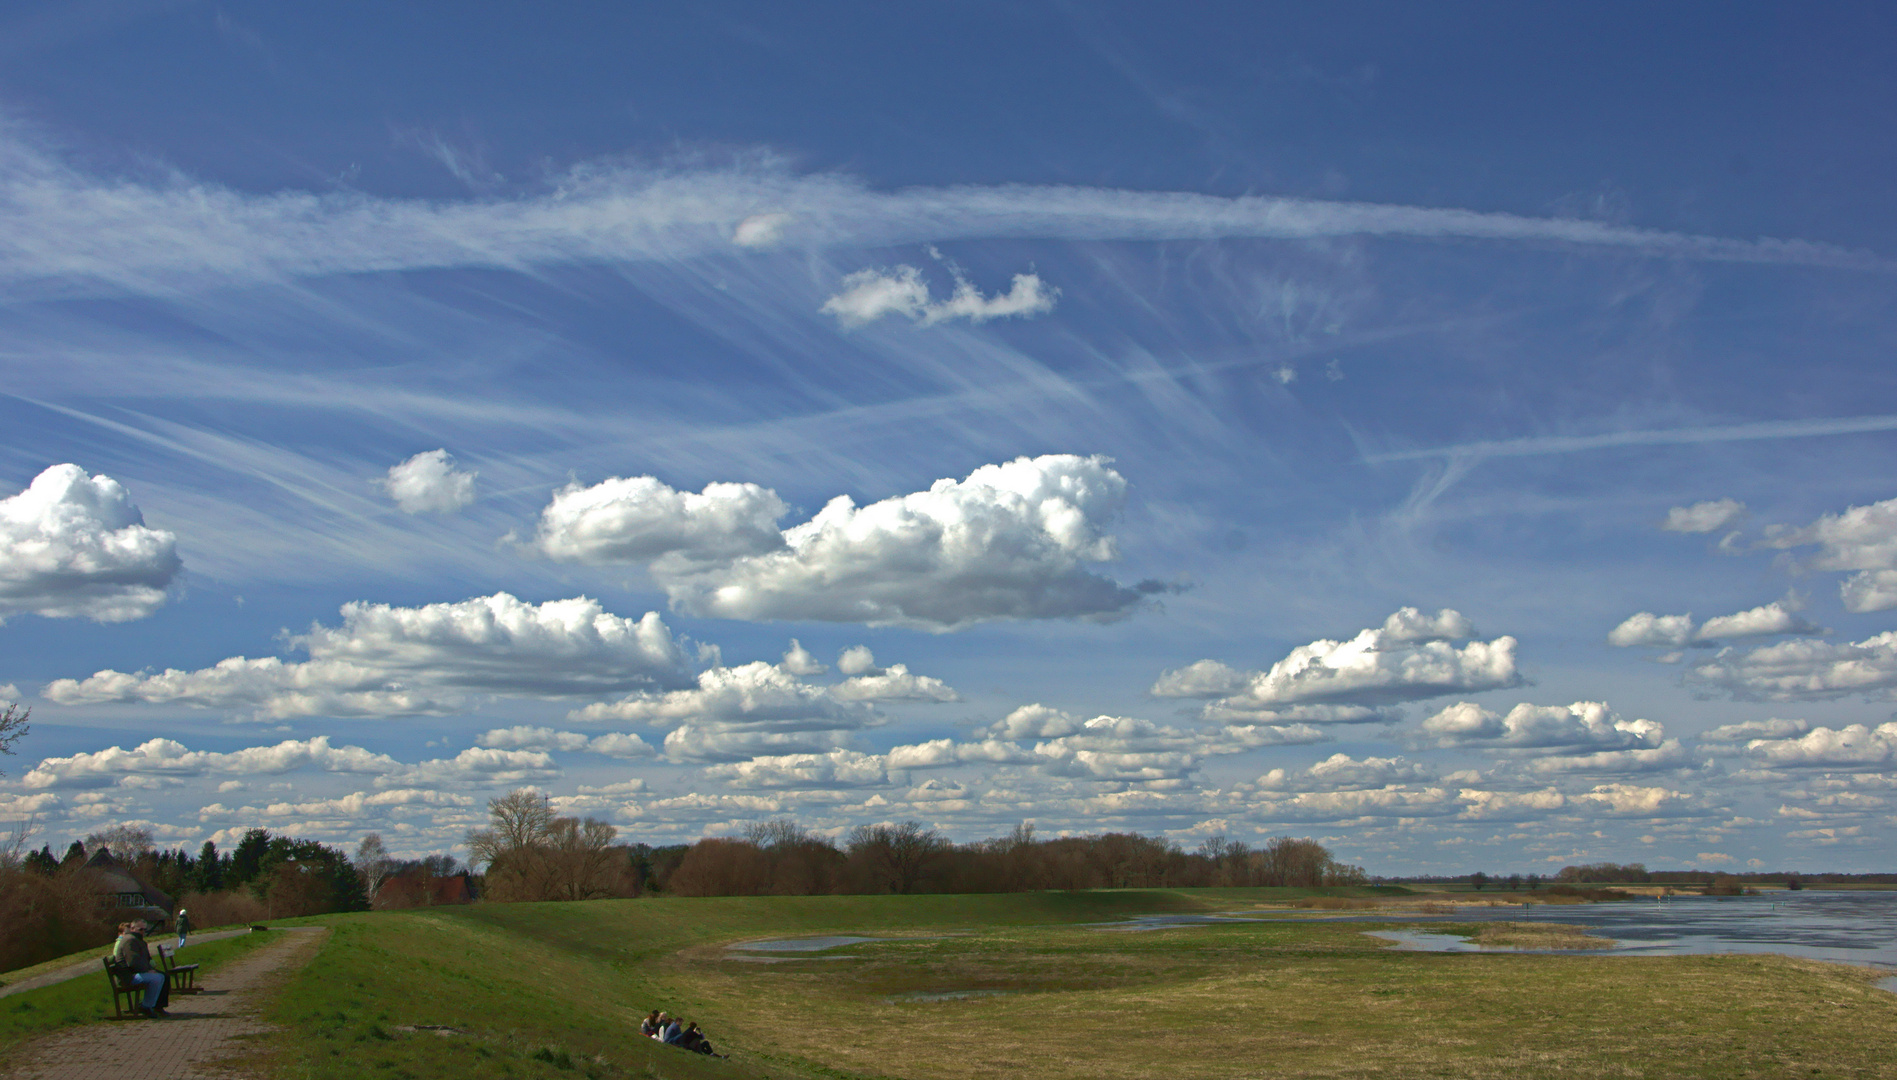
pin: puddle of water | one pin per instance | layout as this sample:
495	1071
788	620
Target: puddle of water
1425	941
944	995
1162	922
743	959
808	944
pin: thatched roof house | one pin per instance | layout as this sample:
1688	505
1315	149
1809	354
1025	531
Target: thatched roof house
119	887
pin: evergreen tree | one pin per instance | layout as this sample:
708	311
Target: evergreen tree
42	861
75	855
208	875
247	860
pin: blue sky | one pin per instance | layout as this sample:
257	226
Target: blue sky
1459	434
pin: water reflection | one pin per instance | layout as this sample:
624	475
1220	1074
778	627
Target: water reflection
806	944
1842	927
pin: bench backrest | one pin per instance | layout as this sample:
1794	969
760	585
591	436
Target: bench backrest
120	975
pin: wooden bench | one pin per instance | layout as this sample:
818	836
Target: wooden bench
184	977
123	989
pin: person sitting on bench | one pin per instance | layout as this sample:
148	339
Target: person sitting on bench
130	950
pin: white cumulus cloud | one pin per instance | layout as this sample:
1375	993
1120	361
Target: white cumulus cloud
1674	631
1354	804
429	483
1011	541
858	660
1646	628
1581	727
869	295
1632	800
1854	746
1412	624
354	807
799	661
170	758
1777	617
1703	517
937	753
756	695
1406	659
73	545
1749	730
1485	805
1035	721
477	766
386	660
1667	756
1129	749
617	744
1342	772
821	771
641	519
1862	538
1803	669
894	683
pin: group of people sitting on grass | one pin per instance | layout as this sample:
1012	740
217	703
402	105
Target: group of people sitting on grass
675	1032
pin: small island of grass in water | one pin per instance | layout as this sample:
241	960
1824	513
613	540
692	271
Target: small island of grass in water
1518	935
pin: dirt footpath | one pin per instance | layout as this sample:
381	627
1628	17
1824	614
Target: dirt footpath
202	1028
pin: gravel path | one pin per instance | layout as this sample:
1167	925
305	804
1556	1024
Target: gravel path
201	1030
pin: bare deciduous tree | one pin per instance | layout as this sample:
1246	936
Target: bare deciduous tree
895	855
582	859
13	726
17	841
125	842
375	865
532	855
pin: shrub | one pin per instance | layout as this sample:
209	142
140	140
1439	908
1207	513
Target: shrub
49	916
235	907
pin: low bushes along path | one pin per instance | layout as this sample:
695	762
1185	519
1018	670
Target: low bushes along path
202	1027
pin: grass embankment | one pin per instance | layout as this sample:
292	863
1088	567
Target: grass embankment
556	990
86	1000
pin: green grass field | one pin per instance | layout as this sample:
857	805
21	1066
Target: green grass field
557	990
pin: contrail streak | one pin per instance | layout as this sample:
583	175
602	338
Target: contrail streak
1569	444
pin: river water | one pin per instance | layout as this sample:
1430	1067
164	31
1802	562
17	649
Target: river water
1838	926
1842	927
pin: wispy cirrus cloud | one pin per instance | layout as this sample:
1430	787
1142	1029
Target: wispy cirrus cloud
67	225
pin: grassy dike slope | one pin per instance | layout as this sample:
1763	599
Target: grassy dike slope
556	990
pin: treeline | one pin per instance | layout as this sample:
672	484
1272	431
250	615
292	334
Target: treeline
781	858
290	876
56	905
530	854
1610	873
